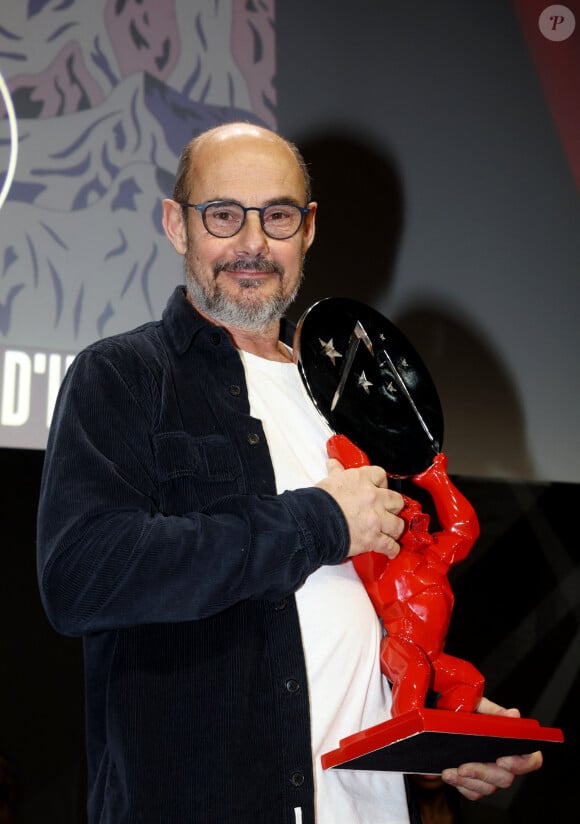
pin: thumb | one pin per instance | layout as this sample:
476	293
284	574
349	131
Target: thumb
334	467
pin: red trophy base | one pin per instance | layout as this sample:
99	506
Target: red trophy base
428	741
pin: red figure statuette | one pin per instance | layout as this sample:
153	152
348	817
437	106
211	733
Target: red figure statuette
412	594
371	386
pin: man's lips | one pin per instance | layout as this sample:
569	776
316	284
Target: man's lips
254	269
248	274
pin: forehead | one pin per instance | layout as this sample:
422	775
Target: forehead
251	167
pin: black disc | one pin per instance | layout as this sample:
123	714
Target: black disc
368	382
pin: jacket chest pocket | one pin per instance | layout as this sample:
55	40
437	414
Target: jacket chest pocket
193	471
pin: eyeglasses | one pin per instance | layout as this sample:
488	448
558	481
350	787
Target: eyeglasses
225	218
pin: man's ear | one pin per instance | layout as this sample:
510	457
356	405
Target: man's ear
310	225
174	225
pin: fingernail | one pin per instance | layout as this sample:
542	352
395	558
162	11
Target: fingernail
449	776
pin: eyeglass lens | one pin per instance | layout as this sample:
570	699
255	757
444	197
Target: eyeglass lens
279	220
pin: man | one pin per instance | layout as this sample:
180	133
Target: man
191	530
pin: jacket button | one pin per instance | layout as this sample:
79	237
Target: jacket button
297	778
280	604
292	685
235	390
253	438
215	338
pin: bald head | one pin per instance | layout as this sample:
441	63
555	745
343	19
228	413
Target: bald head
224	139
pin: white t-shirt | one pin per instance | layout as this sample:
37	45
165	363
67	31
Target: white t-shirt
340	630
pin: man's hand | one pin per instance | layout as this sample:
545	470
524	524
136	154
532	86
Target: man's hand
369	506
477	780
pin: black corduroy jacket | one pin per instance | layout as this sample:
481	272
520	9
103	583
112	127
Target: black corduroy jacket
162	541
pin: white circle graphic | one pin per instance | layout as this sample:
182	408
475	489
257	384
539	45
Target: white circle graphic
557	23
5	95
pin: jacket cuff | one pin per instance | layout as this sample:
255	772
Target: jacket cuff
322	524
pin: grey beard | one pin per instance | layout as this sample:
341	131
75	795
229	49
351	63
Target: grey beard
251	316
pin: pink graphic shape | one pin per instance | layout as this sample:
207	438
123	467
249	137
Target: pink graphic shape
558	67
144	36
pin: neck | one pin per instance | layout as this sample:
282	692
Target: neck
263	344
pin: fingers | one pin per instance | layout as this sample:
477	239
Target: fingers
487	707
375	474
521	764
369	507
475	781
334	466
383	543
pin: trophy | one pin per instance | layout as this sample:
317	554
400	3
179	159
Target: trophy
376	394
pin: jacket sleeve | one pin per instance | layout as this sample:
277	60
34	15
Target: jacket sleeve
109	558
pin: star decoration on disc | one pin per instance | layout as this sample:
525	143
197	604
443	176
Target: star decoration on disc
329	350
363	382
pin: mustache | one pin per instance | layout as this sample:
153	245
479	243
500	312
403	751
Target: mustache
249	265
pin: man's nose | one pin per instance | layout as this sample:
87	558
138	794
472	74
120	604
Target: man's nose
251	236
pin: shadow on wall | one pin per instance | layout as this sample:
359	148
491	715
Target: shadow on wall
359	225
358	222
484	420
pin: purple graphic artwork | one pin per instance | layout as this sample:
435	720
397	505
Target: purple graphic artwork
105	99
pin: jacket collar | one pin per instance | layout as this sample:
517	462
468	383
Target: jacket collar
181	321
